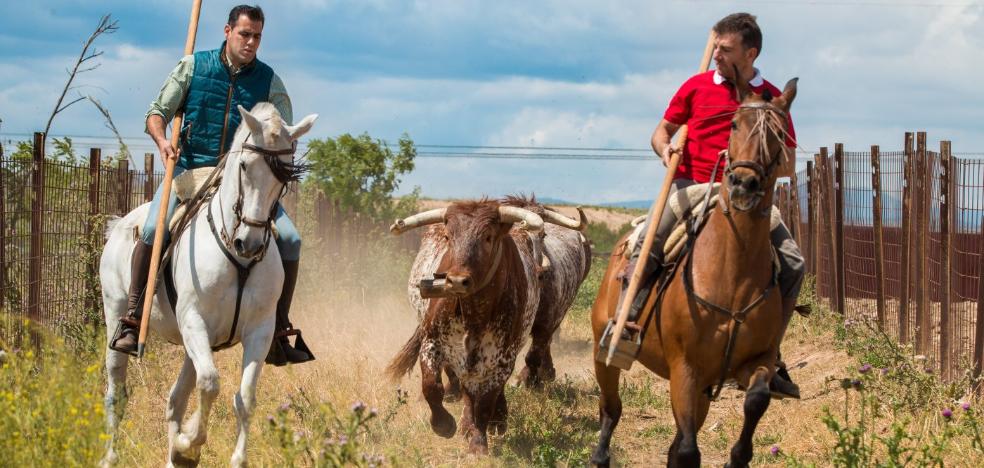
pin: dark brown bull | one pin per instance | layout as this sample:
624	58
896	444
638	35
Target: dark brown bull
506	276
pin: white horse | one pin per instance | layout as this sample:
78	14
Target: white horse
206	281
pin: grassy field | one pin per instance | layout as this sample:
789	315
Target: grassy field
341	410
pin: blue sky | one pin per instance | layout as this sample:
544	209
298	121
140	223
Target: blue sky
572	73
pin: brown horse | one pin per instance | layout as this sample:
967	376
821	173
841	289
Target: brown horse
728	282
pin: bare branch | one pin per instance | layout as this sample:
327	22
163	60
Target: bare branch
109	124
106	26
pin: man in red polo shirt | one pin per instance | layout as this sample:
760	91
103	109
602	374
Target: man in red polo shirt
706	104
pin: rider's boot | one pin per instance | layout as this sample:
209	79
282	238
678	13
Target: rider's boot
782	385
281	352
129	329
627	345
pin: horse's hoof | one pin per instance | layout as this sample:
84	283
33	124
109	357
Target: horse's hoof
178	459
601	462
443	425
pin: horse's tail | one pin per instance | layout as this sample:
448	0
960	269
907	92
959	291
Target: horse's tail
111	223
407	357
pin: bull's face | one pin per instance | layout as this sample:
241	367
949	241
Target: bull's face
475	248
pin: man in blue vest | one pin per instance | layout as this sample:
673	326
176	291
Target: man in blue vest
208	86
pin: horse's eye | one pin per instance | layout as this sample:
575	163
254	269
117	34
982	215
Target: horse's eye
242	165
734	125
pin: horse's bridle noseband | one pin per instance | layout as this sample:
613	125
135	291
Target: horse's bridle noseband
763	172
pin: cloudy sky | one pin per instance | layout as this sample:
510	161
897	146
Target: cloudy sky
550	73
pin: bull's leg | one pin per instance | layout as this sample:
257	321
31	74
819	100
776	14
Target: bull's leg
609	411
689	403
177	404
467	423
194	433
255	349
442	423
757	400
500	415
452	389
483	408
116	396
539	363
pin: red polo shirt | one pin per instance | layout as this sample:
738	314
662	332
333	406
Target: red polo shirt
706	104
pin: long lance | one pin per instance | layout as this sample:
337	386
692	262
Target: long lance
155	257
655	214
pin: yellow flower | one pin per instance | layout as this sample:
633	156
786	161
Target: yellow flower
91	369
104	436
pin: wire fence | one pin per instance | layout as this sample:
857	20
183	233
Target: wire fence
52	223
898	238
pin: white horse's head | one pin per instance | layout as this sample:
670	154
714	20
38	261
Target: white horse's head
261	162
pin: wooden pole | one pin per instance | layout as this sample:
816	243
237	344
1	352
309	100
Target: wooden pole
904	266
155	257
920	177
148	177
3	237
95	160
37	227
123	178
876	216
979	325
656	213
841	290
811	219
946	329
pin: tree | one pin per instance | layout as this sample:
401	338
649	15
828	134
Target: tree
362	174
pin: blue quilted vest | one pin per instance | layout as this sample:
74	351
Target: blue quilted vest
211	117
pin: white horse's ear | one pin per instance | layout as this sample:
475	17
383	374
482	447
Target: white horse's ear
255	126
296	131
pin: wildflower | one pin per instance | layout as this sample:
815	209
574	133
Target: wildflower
965	405
358	407
342	439
884	371
865	368
774	450
270	418
947	413
373	412
856	384
284	407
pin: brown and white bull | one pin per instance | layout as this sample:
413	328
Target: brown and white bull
493	273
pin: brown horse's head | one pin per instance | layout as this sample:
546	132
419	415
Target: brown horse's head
757	145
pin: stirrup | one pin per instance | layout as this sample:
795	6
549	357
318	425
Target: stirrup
626	347
281	353
119	333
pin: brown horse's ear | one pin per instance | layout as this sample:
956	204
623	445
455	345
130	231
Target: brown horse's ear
741	85
785	101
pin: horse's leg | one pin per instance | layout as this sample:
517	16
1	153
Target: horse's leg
255	348
757	399
483	406
195	431
177	404
685	398
442	423
452	390
116	396
609	409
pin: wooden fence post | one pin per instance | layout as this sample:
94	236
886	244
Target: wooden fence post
979	325
95	163
37	226
921	178
876	217
149	181
810	219
946	326
123	176
904	266
3	234
839	225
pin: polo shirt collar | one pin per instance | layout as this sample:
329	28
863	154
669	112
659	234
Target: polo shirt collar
755	82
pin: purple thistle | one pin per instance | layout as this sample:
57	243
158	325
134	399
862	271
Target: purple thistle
947	413
373	412
774	450
856	384
284	407
358	407
884	371
342	439
965	405
865	368
270	418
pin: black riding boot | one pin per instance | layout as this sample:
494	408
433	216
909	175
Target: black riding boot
126	337
281	352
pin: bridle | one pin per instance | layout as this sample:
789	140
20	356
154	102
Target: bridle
282	171
769	121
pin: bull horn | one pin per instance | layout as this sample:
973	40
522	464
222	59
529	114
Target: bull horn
553	217
528	220
420	219
638	220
